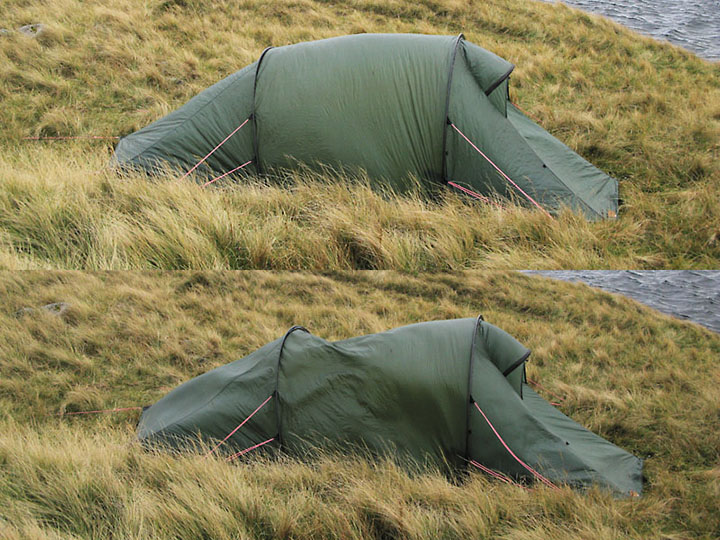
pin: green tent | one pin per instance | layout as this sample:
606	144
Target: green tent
398	106
444	392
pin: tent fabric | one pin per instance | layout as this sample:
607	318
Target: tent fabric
408	392
379	103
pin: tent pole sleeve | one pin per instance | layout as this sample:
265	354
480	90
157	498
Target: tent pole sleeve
278	417
456	45
469	401
515	364
253	115
497	83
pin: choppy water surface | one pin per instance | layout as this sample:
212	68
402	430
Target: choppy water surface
687	294
692	24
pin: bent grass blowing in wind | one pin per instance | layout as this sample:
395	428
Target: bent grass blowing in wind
644	112
625	372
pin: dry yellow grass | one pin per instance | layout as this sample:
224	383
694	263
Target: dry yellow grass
645	112
645	381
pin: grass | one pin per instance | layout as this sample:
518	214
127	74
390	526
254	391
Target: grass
645	112
645	381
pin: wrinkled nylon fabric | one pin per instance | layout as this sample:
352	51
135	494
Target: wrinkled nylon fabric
589	184
402	392
374	102
490	131
544	438
214	403
621	470
499	99
180	139
487	68
347	103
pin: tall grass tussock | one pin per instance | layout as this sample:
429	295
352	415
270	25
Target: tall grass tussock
645	381
645	112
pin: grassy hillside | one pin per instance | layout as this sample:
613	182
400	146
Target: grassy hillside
646	382
647	113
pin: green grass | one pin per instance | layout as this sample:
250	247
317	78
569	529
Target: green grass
645	112
645	381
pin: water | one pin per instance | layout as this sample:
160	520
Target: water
692	24
689	295
686	294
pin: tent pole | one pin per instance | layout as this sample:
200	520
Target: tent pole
470	399
278	417
446	120
253	115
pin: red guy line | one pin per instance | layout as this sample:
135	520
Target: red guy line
474	194
213	150
241	452
533	118
500	171
535	383
229	172
520	461
488	470
97	412
498	475
240	425
67	137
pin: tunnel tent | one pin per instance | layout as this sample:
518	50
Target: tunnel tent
444	392
398	106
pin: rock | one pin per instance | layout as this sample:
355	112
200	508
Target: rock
56	308
5	32
32	30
